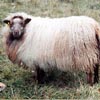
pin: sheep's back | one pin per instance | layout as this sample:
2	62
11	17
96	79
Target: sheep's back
68	43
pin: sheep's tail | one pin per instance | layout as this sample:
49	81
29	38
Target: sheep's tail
97	32
97	29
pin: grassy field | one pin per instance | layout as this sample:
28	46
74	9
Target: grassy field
20	82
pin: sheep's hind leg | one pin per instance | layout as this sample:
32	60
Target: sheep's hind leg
93	78
90	78
96	73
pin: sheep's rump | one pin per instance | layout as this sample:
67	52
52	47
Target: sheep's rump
67	43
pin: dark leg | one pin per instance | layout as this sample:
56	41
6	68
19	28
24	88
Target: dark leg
40	75
96	73
90	78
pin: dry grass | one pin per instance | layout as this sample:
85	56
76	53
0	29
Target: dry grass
20	82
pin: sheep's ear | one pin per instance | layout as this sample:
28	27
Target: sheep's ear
6	21
27	20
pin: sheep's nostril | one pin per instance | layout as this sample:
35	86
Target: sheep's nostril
16	33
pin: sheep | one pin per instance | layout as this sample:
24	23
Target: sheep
68	43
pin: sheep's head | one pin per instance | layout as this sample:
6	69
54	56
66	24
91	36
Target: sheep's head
17	25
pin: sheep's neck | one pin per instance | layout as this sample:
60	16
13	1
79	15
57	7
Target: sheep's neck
12	46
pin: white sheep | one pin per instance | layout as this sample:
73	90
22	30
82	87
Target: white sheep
70	43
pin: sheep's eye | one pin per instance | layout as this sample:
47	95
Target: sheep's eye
11	24
21	23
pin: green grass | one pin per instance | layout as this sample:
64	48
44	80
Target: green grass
20	82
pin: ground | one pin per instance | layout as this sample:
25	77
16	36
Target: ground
20	82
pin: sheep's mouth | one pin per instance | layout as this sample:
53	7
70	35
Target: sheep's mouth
16	36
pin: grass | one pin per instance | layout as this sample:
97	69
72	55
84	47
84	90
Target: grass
20	82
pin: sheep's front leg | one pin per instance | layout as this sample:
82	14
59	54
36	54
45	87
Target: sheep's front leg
40	75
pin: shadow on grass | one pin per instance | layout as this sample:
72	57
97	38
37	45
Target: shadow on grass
65	79
21	84
60	79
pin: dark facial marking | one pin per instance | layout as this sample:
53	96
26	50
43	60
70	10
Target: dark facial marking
9	40
18	17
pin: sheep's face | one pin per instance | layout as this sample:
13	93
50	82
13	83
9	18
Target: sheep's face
17	26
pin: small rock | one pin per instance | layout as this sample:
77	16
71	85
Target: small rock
2	86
